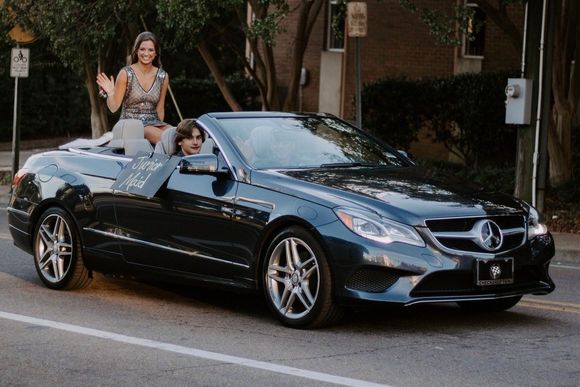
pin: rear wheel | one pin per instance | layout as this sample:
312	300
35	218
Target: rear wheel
498	305
57	252
298	281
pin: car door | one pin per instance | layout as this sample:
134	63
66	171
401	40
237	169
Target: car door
184	227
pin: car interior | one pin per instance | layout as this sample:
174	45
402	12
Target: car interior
128	138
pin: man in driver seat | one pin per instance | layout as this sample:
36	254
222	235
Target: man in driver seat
188	138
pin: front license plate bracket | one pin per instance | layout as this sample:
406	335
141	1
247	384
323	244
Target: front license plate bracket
498	271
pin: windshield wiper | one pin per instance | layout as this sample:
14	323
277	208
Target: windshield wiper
347	165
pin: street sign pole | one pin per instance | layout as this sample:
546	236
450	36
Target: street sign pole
19	65
16	131
357	28
358	83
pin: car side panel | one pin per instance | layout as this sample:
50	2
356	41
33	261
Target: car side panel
86	197
184	228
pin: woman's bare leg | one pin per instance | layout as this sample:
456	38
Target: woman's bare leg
153	133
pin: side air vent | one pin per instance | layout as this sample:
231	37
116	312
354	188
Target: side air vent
373	280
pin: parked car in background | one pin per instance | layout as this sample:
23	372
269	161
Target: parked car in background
306	208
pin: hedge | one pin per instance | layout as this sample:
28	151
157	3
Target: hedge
465	112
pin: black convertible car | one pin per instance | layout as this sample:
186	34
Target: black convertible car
308	209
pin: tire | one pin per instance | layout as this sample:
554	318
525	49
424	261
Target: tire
57	252
299	289
498	305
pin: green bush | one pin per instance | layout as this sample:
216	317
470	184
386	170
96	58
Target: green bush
53	99
470	119
466	113
392	109
499	179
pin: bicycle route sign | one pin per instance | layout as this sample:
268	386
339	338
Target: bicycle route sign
19	61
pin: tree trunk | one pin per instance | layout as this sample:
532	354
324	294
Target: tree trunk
271	79
309	12
218	76
500	18
99	120
566	91
560	151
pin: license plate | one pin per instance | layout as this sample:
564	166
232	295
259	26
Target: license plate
494	272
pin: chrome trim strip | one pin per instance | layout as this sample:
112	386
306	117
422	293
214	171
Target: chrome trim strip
19	230
472	235
512	231
16	211
190	253
485	216
480	297
261	203
107	157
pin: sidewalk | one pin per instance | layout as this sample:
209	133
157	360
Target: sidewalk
567	245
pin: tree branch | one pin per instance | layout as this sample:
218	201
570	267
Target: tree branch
218	76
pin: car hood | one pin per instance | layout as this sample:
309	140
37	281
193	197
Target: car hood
409	195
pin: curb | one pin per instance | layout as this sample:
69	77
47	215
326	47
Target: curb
566	256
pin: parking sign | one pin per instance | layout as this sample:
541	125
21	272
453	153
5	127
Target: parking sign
19	61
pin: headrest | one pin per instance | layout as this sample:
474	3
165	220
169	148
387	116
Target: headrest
166	144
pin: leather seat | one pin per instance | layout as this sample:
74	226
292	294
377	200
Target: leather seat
129	134
166	144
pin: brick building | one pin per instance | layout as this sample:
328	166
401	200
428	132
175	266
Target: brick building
397	43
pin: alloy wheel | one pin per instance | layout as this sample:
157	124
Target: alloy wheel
54	248
293	278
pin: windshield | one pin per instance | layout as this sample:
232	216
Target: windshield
305	142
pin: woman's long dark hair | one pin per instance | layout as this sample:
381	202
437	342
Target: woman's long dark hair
142	37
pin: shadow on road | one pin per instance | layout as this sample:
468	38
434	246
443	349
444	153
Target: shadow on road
432	318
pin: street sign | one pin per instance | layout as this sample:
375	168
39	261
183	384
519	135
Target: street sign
356	19
21	36
19	62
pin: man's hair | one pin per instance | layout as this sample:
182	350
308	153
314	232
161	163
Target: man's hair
185	129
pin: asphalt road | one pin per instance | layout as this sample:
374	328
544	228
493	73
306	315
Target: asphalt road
128	333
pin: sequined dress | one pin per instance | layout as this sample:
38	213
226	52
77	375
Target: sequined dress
140	104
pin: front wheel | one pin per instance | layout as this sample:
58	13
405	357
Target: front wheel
57	252
498	305
298	281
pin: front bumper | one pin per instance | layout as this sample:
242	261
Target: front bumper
364	270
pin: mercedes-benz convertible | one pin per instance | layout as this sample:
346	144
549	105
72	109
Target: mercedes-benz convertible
313	212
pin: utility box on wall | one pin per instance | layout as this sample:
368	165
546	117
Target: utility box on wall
519	101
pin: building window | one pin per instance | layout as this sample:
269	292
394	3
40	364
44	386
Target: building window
474	36
335	25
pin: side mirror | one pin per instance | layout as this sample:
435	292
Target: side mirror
200	164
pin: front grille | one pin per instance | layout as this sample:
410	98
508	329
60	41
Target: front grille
462	234
373	280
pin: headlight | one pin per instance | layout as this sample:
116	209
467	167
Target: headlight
376	228
535	228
